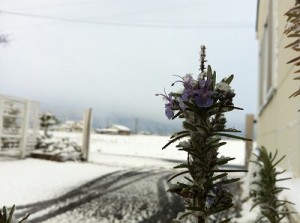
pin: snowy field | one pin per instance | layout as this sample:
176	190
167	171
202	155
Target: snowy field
146	146
44	184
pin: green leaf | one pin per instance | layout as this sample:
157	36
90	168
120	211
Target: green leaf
176	138
189	126
185	215
4	213
295	43
229	181
213	142
279	172
177	114
232	136
228	171
178	174
219	209
194	208
287	178
229	79
294	60
181	165
233	107
222	161
218	177
225	221
209	72
278	161
11	213
214	77
190	180
227	130
254	205
178	133
203	127
281	188
276	152
294	35
25	218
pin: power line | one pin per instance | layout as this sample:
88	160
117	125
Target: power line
155	10
142	25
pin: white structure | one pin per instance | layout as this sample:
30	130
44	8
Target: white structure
69	126
114	130
19	125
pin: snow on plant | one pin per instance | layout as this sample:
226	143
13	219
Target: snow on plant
202	104
264	190
63	149
8	217
46	120
292	30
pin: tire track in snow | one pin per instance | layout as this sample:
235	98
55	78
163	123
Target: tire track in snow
127	196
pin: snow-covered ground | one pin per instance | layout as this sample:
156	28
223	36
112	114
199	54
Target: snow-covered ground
33	180
147	146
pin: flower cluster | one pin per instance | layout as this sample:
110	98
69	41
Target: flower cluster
203	92
201	104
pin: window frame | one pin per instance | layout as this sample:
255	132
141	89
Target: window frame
266	69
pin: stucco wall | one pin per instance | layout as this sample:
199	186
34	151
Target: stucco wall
278	124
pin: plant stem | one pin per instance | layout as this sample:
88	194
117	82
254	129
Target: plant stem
201	219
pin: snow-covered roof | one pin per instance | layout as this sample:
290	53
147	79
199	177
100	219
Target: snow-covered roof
109	130
119	127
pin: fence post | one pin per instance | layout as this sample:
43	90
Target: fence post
249	135
86	133
25	124
1	116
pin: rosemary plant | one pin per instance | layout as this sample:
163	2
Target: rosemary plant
202	104
265	191
292	30
8	217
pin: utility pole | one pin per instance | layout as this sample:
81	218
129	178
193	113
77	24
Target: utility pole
136	123
249	135
86	133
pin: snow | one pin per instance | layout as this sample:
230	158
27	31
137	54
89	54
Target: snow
148	146
292	194
40	179
32	180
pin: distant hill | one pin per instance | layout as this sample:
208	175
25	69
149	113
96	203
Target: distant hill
135	124
142	124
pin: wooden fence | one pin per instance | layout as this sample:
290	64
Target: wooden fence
19	125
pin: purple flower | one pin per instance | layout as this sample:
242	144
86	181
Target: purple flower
169	105
210	200
187	82
203	96
187	92
184	97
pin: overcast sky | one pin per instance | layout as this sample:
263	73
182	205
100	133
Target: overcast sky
114	55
